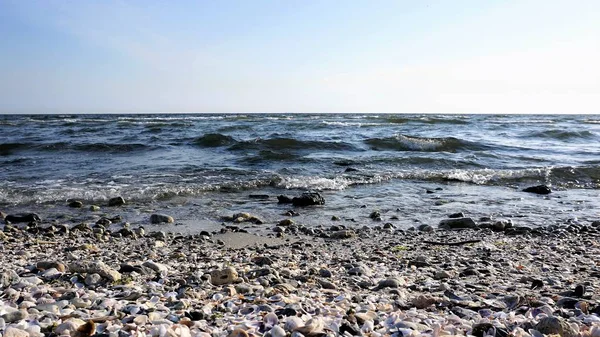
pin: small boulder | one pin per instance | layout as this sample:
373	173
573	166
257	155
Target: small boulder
540	189
117	201
458	223
308	199
161	218
456	215
94	208
284	199
286	222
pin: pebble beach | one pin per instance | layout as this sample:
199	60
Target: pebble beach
479	277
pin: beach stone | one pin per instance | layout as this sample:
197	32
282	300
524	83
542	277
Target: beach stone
456	215
21	218
308	199
15	316
15	332
43	265
95	267
223	276
425	301
116	201
161	218
458	223
441	274
479	330
51	274
540	189
359	271
419	262
327	285
94	208
579	290
555	325
325	273
75	204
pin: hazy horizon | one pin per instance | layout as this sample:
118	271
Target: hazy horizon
299	56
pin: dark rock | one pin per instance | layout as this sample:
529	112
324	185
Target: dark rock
284	199
263	261
482	329
375	215
535	284
540	189
104	222
456	215
327	285
308	199
20	218
116	201
388	283
425	228
195	315
325	273
350	169
75	204
335	218
458	223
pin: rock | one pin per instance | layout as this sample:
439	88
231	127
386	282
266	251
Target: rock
326	284
535	284
359	271
540	189
419	262
284	199
498	226
161	218
259	196
15	316
94	208
308	199
456	215
457	223
224	276
93	280
9	278
325	273
2	215
157	267
75	204
335	218
375	215
20	218
43	265
15	332
579	290
555	325
286	222
95	267
86	330
117	201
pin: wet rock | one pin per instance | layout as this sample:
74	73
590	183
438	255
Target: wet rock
116	201
555	325
335	218
259	196
161	218
456	215
540	189
223	276
94	208
308	199
457	223
425	228
21	218
75	204
95	267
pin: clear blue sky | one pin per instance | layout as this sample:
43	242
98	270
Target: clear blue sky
299	56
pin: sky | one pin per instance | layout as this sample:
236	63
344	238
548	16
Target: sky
84	56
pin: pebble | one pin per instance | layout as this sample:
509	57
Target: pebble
223	276
14	316
161	218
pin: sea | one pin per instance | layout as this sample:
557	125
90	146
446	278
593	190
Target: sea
413	169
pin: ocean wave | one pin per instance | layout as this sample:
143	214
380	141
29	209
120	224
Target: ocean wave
459	120
411	143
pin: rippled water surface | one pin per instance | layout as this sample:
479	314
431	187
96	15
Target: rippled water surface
199	166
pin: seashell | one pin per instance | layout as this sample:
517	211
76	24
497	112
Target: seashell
270	320
292	323
277	331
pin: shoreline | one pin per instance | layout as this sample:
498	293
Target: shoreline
370	282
